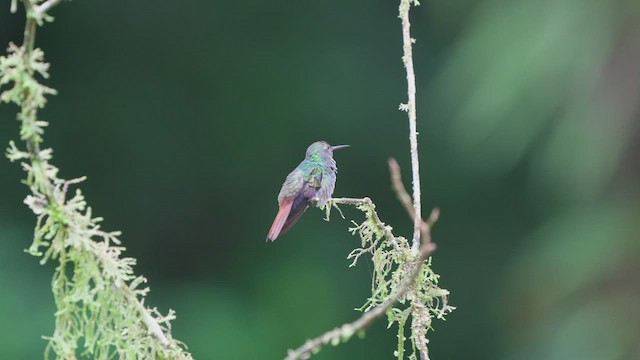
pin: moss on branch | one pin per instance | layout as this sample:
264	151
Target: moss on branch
99	299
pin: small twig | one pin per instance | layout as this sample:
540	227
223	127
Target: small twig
352	201
398	187
405	199
45	7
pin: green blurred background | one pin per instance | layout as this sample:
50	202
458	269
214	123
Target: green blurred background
186	117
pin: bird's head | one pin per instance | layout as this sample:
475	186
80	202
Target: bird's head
323	149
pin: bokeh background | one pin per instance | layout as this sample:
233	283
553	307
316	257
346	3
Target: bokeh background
186	117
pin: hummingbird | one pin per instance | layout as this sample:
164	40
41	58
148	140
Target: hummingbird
311	182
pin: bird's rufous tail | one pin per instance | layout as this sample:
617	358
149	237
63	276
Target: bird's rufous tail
281	218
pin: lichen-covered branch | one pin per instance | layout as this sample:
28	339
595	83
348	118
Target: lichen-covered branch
402	276
100	301
346	331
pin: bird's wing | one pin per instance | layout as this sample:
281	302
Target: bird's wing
313	182
307	192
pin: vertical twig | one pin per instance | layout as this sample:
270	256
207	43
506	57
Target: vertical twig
410	107
420	227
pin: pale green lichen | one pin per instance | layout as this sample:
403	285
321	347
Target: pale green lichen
393	258
100	301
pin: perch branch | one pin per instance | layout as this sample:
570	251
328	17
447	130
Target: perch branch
365	201
346	331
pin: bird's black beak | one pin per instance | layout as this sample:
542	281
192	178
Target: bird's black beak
336	147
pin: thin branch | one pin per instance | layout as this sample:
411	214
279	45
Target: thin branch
365	201
407	59
374	215
398	187
45	7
